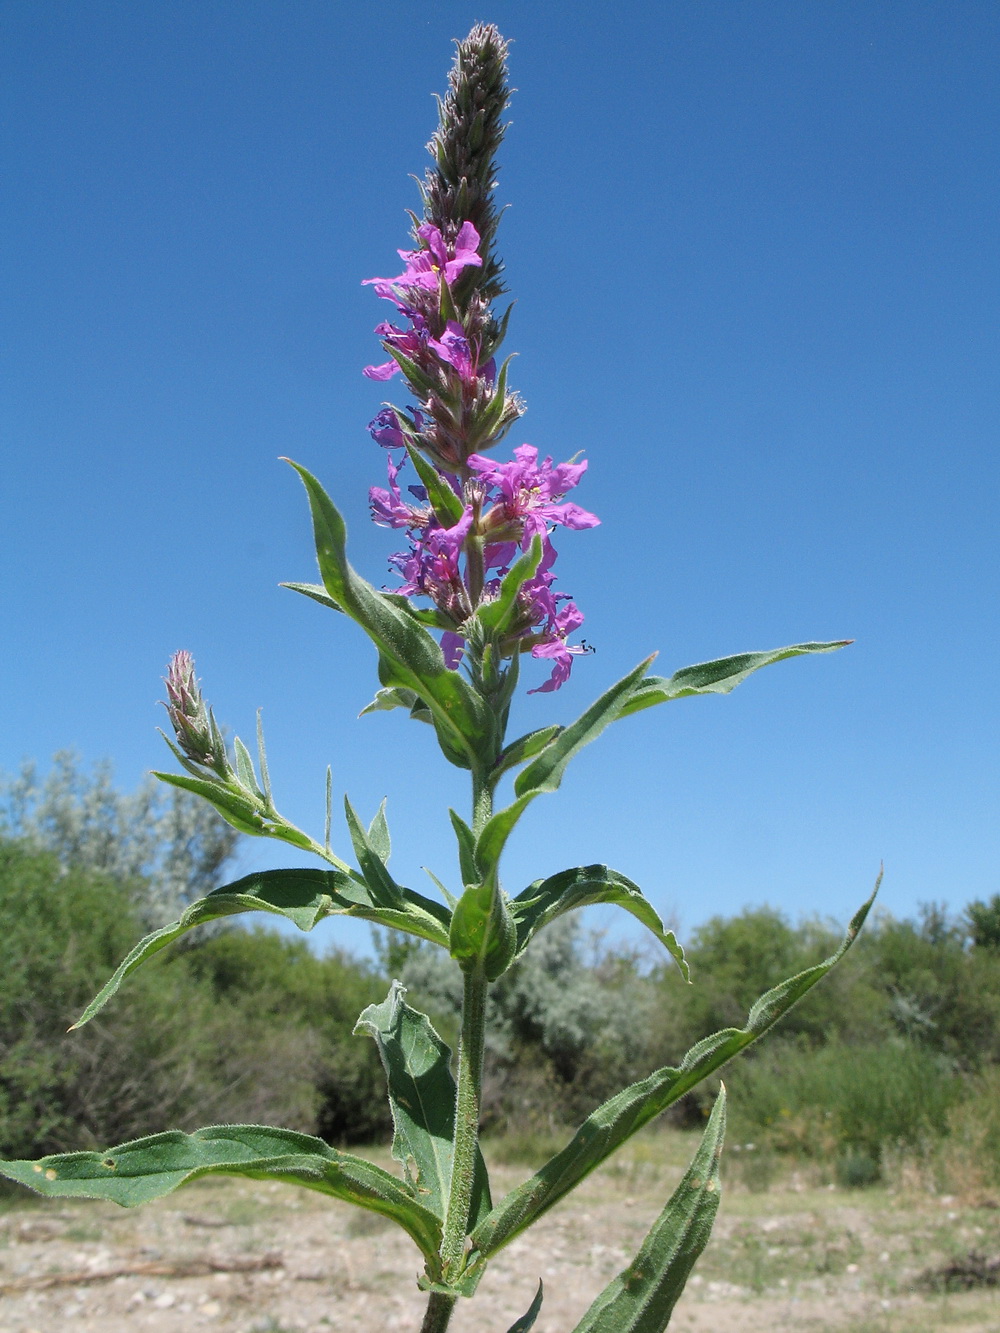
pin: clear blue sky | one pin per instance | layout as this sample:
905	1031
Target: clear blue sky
755	251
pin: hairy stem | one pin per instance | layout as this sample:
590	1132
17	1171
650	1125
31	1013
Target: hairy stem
438	1313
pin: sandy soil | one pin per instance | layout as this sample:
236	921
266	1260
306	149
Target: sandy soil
791	1259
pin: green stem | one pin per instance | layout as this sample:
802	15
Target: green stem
438	1313
482	802
468	1103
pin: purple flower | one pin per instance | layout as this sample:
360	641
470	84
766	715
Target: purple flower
389	509
426	266
529	493
408	341
385	430
453	647
454	348
431	566
556	650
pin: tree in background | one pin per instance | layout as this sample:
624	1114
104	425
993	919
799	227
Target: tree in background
169	846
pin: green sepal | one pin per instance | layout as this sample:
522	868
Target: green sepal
718	677
302	897
446	306
487	421
642	1298
423	384
417	1066
546	899
607	1128
384	889
495	616
317	592
408	655
448	507
148	1168
483	931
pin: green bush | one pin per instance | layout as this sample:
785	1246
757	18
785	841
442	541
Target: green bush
843	1104
181	1045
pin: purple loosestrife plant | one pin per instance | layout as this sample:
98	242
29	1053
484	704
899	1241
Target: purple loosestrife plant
476	595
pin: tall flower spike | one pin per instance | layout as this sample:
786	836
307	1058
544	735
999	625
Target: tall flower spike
459	187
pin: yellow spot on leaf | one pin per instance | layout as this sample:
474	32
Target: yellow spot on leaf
36	1167
50	1174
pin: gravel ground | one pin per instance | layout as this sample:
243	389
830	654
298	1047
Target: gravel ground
791	1258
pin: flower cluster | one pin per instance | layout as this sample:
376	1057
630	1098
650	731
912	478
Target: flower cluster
468	520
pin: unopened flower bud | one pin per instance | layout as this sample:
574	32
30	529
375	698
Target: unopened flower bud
197	735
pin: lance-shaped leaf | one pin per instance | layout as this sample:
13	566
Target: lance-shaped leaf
524	748
495	616
717	677
546	899
642	1298
527	1320
546	770
607	1128
148	1168
399	697
408	651
482	930
384	889
448	507
422	1096
303	897
316	592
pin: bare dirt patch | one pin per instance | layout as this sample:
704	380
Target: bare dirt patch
245	1257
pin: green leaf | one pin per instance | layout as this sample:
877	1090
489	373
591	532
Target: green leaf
717	677
242	811
482	930
527	1321
447	506
302	897
495	616
244	769
148	1168
466	849
408	654
317	592
524	748
397	696
607	1128
546	770
422	1096
378	835
384	889
546	899
642	1298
